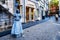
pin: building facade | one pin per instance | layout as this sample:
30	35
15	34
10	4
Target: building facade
46	8
26	8
5	17
42	7
30	10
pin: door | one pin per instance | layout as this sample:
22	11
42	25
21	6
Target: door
27	14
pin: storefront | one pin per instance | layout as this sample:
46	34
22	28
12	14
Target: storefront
29	12
42	12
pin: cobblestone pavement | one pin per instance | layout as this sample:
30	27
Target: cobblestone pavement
44	31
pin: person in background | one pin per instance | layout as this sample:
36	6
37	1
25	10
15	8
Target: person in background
56	17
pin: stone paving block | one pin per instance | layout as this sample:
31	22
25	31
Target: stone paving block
43	31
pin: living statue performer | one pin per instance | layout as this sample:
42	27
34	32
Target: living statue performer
17	30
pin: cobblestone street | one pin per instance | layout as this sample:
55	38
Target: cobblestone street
29	19
43	31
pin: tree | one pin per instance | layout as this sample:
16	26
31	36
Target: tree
53	5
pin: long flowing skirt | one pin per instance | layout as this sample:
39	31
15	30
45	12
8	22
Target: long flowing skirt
17	28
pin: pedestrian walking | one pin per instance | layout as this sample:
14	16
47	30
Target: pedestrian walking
56	17
17	30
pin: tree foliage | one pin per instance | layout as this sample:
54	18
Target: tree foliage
54	2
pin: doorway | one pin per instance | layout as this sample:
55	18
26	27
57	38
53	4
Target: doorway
27	14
